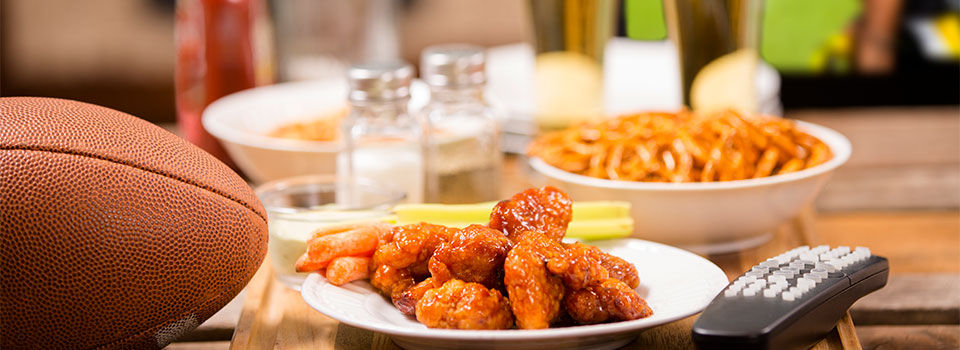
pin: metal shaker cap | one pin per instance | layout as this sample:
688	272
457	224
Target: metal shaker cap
379	81
455	65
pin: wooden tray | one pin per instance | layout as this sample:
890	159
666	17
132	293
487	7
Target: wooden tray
275	316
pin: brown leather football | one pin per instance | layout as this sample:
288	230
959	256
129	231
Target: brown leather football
114	233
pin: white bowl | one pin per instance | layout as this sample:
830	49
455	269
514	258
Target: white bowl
712	217
242	120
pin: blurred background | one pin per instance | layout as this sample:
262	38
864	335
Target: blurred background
830	53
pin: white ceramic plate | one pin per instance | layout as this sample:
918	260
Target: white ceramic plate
675	283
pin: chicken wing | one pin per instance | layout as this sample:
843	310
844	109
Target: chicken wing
535	293
407	300
391	281
591	257
473	254
547	210
610	300
401	261
413	245
461	305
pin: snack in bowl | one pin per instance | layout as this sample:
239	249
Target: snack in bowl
708	217
514	271
682	147
319	128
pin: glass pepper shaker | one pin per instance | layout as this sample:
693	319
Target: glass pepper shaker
462	147
383	144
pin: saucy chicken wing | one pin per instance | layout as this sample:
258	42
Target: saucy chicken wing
407	300
473	254
401	261
461	305
591	256
413	245
535	292
610	300
547	210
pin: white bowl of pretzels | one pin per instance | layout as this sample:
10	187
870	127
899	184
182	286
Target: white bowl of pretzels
677	198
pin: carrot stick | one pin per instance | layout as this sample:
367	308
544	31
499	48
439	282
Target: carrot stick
346	269
356	242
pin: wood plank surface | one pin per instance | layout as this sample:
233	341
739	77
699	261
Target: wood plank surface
911	299
903	158
936	337
913	241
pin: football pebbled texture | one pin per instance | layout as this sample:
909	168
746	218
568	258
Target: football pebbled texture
114	233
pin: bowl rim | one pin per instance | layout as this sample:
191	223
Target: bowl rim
214	115
839	146
315	182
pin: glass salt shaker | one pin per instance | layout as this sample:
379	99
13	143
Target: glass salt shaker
383	144
462	147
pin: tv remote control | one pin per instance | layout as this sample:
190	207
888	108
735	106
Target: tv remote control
790	301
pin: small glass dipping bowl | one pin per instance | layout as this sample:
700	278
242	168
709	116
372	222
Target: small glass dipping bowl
298	206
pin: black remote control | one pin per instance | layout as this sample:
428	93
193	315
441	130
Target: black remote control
791	300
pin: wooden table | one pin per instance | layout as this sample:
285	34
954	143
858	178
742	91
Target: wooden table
898	194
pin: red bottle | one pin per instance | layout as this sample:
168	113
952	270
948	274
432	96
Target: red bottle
217	54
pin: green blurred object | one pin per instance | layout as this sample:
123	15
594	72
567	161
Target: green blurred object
644	19
796	35
797	32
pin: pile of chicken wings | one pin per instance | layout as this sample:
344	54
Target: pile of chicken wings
513	272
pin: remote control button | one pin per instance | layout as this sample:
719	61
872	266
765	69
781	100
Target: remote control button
787	296
865	250
785	274
731	293
813	276
795	291
827	266
770	293
749	292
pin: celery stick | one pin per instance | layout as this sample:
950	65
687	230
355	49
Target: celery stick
480	212
600	229
591	220
600	210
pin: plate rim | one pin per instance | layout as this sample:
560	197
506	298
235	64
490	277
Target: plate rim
314	280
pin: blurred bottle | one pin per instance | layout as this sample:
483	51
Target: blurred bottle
222	47
717	46
570	37
383	144
318	39
464	152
